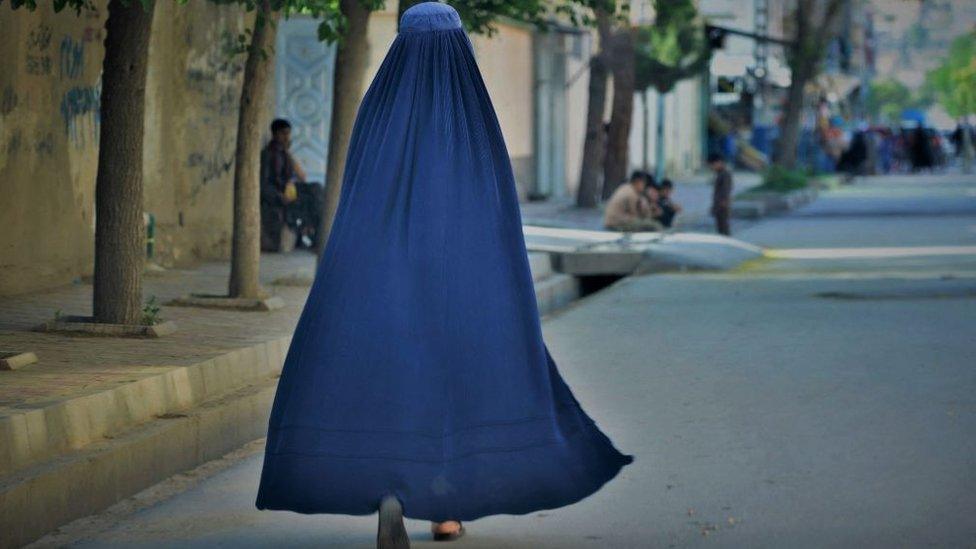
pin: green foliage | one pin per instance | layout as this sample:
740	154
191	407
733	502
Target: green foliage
150	312
888	98
672	49
779	179
953	84
77	5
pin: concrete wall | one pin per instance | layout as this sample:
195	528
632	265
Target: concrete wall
682	129
192	96
49	92
505	60
49	123
577	98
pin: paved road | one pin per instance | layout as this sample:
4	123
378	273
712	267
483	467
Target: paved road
823	397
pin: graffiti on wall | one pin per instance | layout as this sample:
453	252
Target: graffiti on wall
80	114
45	145
38	60
72	58
8	100
214	163
14	143
213	71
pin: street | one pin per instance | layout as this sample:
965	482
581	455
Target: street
819	397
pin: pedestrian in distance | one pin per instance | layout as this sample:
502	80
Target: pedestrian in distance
404	391
721	194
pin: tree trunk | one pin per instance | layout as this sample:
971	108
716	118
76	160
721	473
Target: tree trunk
119	237
594	143
352	61
246	243
967	149
622	112
789	139
815	22
659	141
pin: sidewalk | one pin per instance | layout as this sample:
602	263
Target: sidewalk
810	402
693	193
97	419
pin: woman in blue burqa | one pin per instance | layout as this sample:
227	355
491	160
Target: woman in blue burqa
417	382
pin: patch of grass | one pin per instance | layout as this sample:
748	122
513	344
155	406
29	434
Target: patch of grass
782	180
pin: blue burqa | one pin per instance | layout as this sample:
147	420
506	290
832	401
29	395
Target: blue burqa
418	367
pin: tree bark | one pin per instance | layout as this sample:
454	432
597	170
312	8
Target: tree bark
595	140
119	235
594	143
790	125
352	61
615	164
246	242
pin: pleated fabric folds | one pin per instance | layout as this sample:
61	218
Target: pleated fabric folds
418	367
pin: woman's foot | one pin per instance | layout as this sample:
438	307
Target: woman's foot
391	534
447	531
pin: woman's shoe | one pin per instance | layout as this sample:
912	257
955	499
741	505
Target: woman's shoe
391	534
448	536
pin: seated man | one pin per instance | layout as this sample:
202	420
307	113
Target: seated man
628	209
652	194
290	207
669	208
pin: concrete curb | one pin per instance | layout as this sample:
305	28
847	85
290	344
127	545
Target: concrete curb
755	205
36	501
12	361
83	325
51	428
272	303
555	292
643	253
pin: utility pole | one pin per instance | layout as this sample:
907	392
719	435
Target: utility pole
760	51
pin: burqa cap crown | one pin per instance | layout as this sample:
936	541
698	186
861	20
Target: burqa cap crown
430	16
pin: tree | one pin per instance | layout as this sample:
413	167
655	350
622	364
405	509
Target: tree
621	55
246	239
953	85
119	237
594	142
887	99
815	23
352	61
608	16
672	49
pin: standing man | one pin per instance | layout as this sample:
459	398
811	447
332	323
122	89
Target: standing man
721	194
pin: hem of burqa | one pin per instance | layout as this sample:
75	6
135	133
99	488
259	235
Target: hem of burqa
329	450
574	463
